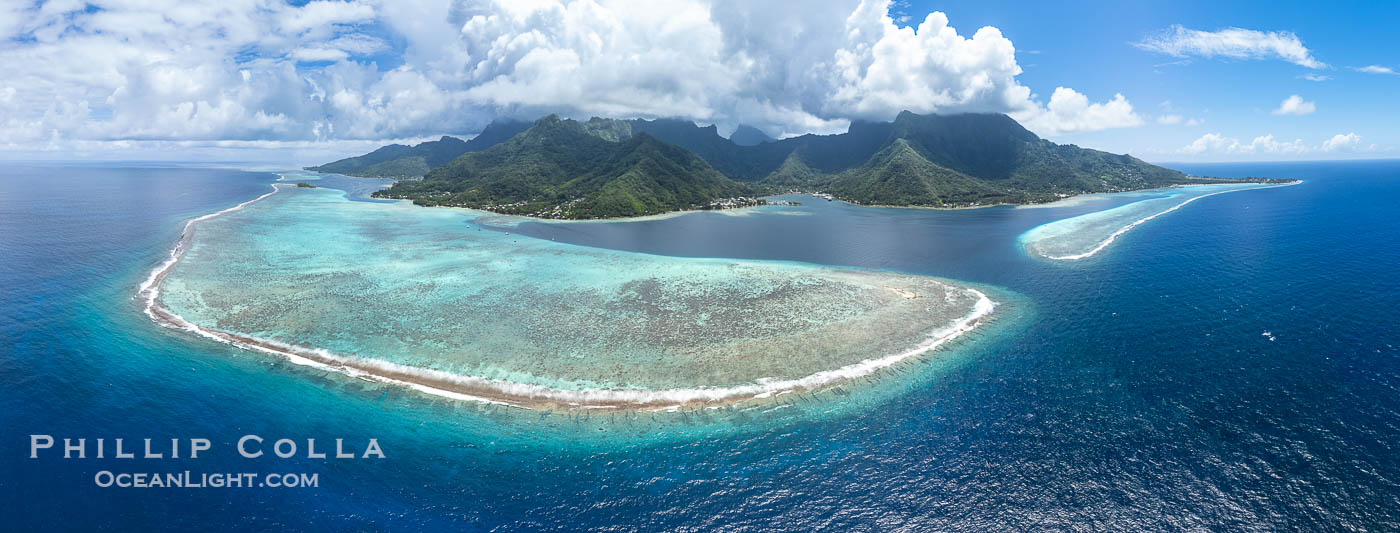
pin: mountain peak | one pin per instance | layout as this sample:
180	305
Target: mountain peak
613	167
552	118
746	135
560	168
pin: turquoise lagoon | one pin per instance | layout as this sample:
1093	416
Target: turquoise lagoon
432	299
1134	391
1083	236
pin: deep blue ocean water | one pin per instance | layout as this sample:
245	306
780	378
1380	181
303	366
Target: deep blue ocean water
1138	392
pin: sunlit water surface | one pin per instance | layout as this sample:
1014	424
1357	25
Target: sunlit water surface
429	289
1230	365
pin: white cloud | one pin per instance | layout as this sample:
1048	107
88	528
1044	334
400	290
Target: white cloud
753	62
1295	105
1071	112
177	71
320	15
271	155
319	54
1217	144
12	17
881	67
1210	142
1339	142
1235	43
263	70
1375	69
1315	77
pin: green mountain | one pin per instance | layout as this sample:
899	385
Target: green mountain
608	168
740	163
923	160
564	169
746	135
900	175
399	161
967	160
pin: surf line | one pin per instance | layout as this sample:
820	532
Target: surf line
503	392
1114	236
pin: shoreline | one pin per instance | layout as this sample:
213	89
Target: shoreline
744	211
493	217
1050	203
1125	229
530	396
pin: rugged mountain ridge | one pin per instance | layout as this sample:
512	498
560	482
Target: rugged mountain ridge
559	169
612	167
1013	164
400	161
746	135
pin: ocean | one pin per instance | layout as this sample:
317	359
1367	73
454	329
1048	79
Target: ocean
1231	365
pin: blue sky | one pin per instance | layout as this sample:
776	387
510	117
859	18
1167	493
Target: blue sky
1087	45
266	80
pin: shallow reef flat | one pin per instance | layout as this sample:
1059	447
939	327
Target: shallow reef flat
1083	236
428	298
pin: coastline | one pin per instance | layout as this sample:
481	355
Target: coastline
502	392
499	219
506	220
511	220
1062	202
1125	229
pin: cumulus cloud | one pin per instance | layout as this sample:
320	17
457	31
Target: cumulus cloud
1340	142
264	70
1070	112
1217	144
179	71
1295	105
1266	144
881	67
1234	43
1375	69
786	71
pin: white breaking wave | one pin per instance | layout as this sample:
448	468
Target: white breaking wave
1114	236
665	399
150	288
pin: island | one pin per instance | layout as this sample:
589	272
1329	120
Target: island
608	168
441	301
411	162
427	299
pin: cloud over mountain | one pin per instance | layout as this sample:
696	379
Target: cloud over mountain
258	70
